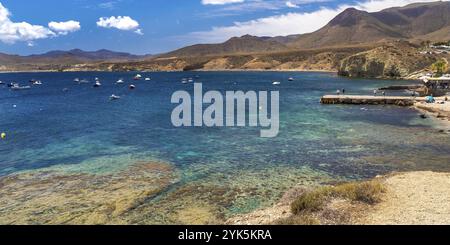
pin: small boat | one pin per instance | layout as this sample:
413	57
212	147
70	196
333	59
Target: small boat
148	79
83	81
114	97
184	80
131	87
120	81
291	79
37	82
276	83
190	80
77	80
1	83
97	84
32	81
137	77
18	87
10	85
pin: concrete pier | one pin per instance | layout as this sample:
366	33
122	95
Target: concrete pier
371	100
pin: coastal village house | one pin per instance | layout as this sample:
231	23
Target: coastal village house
437	86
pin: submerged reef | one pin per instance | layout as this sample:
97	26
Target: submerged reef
54	197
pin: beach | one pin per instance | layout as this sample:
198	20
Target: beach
439	110
410	198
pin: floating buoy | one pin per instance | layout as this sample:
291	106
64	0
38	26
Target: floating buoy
3	136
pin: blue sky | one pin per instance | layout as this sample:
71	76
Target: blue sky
144	26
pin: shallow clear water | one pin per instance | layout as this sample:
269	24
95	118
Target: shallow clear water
82	131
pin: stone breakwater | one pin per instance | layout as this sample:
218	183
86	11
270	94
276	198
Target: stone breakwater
371	100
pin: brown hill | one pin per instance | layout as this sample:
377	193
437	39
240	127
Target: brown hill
391	60
244	44
420	21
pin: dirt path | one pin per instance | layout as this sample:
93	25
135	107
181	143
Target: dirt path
412	199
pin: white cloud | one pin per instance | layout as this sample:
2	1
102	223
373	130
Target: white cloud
291	23
220	2
124	23
12	32
63	28
290	4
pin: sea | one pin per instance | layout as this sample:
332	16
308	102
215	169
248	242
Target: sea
76	129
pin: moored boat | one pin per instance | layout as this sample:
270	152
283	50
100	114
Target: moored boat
137	77
97	84
18	87
114	97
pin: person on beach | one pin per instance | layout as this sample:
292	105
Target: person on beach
375	92
338	92
384	93
343	91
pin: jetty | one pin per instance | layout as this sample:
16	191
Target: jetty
371	100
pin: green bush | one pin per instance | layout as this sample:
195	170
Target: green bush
369	192
298	220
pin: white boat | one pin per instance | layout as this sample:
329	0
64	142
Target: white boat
276	83
137	77
291	79
97	84
120	81
77	80
114	97
1	83
37	83
132	87
83	81
18	87
148	79
190	80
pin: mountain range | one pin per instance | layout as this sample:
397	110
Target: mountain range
349	33
414	22
74	56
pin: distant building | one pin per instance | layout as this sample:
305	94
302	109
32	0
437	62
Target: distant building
437	86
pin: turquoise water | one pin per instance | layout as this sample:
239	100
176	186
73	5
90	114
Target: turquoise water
82	131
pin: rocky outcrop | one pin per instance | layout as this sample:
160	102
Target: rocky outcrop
391	60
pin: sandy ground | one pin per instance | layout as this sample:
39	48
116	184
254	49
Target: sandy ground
416	198
439	110
413	198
